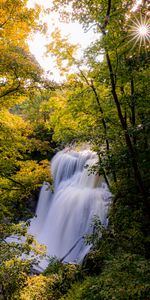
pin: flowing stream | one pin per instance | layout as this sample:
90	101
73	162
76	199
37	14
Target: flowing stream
64	216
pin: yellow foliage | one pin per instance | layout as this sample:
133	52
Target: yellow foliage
40	288
62	50
18	67
17	21
32	173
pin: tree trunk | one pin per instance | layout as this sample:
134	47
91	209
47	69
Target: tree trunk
133	109
137	174
101	110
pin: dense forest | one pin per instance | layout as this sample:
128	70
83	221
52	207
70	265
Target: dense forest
105	102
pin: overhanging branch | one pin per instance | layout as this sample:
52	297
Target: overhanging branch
10	91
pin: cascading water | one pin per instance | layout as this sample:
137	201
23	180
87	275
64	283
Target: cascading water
64	216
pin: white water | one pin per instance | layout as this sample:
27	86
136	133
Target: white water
65	216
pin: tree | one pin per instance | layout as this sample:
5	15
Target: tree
19	253
20	73
108	103
21	174
114	42
20	76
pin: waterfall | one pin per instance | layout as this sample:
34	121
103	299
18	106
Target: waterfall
64	216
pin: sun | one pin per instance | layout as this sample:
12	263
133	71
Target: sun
139	31
142	30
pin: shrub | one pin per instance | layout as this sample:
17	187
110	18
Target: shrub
123	278
40	288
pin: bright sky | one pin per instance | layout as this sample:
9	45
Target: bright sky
74	30
138	2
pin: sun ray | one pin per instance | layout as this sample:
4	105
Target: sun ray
139	32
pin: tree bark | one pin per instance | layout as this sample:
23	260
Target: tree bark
137	174
101	110
133	109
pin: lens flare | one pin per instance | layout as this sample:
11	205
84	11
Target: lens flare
140	32
143	30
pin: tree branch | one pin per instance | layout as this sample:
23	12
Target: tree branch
9	189
131	148
3	24
11	90
106	20
15	181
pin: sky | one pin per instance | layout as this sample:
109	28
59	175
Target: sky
138	2
74	30
38	41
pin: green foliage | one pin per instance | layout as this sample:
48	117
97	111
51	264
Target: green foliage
129	220
124	277
54	266
21	175
107	105
52	284
36	110
19	251
97	229
69	273
13	276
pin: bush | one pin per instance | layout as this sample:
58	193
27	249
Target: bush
40	288
123	278
50	286
69	273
